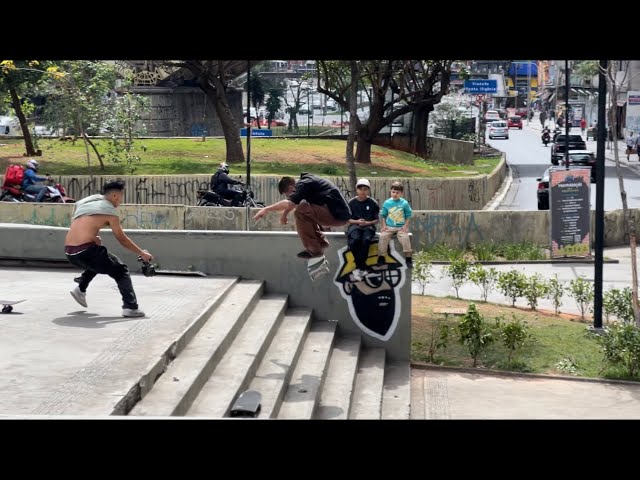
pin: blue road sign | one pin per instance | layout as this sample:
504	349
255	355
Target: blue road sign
257	132
480	86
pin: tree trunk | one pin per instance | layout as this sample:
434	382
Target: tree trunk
228	122
629	222
421	119
28	141
351	166
363	150
95	150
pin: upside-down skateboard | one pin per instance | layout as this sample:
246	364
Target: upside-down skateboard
247	405
317	267
7	305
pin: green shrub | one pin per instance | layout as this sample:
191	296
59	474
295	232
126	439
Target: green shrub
474	333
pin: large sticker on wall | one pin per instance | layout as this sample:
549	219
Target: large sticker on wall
374	301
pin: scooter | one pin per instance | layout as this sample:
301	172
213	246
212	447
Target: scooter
55	193
546	137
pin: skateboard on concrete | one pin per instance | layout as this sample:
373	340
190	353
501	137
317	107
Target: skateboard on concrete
149	270
7	305
247	405
317	267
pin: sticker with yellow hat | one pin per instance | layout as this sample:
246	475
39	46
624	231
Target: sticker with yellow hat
374	300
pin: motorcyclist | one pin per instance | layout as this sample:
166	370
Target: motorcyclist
30	179
546	135
220	182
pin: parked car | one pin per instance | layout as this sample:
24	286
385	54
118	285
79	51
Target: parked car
499	129
515	122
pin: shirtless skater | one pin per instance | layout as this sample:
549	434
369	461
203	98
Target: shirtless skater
84	248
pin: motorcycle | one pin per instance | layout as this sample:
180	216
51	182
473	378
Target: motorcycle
546	137
55	193
209	198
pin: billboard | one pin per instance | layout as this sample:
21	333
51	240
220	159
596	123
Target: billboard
632	120
569	197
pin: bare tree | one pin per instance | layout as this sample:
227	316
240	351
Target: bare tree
617	77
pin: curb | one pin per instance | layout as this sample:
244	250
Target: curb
505	373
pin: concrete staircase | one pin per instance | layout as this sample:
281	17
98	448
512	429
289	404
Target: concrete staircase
303	369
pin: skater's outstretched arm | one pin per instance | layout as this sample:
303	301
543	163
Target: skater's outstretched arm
284	206
126	242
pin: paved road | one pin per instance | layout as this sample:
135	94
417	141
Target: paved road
528	158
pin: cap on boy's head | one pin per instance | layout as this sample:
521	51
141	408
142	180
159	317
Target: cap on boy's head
363	182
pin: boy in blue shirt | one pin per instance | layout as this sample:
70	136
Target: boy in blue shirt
395	215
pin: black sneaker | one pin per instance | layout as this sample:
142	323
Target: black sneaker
409	261
381	260
307	255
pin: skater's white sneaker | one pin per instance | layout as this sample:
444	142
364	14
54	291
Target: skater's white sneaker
78	296
132	312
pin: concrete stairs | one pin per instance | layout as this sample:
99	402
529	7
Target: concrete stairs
304	369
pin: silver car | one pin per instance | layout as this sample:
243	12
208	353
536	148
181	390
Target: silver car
498	129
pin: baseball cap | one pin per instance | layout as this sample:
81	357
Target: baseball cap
363	182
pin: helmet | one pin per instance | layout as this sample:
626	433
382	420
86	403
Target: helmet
224	167
32	164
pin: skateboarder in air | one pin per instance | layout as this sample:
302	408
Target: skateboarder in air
318	204
83	247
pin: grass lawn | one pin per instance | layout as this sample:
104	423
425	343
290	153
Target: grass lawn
562	344
268	156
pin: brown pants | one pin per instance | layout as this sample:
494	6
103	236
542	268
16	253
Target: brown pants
385	238
310	219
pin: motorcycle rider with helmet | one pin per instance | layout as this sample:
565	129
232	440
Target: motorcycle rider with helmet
220	182
30	179
546	136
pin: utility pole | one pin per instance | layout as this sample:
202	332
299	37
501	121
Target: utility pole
567	76
599	226
528	90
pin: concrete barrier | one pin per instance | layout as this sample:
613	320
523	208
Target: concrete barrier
452	228
268	256
471	193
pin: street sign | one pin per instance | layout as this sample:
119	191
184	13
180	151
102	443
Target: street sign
257	132
481	86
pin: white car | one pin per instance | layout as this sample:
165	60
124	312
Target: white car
498	129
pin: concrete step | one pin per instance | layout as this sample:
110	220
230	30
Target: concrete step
396	393
126	370
275	370
367	397
337	392
239	363
176	389
303	392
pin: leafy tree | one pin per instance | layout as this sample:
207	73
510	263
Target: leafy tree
123	124
274	104
213	77
255	86
78	100
393	88
19	79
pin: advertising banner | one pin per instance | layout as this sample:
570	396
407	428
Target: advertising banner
632	120
569	196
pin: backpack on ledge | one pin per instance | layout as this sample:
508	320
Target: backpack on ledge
14	175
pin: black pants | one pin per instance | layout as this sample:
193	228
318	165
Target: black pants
97	260
358	241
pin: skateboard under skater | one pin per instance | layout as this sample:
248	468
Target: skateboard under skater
317	267
7	305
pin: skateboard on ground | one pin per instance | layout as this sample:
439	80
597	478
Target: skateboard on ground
247	405
7	305
149	270
317	267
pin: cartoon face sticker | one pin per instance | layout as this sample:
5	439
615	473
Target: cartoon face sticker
374	301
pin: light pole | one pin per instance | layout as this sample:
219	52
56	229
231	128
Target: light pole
529	90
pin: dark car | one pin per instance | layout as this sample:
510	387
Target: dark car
557	149
515	122
583	158
543	190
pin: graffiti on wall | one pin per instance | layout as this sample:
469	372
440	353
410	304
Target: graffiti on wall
439	228
374	302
